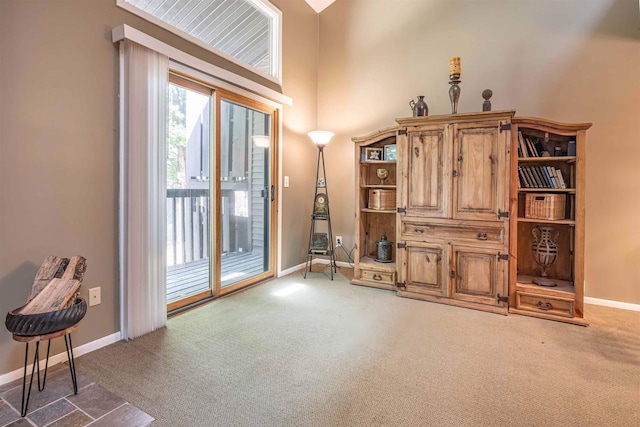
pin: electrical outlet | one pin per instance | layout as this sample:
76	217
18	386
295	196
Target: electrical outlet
94	296
338	240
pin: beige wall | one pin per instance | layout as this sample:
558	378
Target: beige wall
59	147
573	61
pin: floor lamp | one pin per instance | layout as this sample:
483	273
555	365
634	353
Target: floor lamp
321	243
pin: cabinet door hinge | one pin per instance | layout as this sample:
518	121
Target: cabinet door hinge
503	257
402	210
401	284
401	245
503	214
502	299
402	131
506	126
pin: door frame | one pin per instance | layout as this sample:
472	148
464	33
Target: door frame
243	98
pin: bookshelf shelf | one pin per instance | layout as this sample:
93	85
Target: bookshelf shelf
377	186
561	159
547	190
379	162
386	211
548	221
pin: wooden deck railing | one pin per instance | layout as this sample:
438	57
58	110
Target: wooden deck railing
187	225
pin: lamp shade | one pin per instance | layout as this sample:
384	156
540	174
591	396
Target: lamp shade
262	141
320	137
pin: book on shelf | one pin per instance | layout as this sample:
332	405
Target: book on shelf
538	147
563	184
521	144
549	176
524	180
532	180
552	176
542	180
532	149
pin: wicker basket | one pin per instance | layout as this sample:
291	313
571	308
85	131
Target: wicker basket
545	206
382	199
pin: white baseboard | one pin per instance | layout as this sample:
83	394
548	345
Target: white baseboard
315	261
61	357
614	304
291	270
338	263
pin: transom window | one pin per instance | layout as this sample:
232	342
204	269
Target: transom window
245	31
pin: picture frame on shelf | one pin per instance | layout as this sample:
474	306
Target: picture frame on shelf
390	152
373	154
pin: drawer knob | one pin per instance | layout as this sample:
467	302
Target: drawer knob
546	306
418	230
482	236
377	277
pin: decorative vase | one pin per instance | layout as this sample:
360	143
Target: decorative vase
454	92
545	252
382	174
419	108
383	252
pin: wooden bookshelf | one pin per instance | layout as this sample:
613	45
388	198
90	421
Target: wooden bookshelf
564	301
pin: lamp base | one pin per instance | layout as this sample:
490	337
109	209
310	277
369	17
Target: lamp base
543	281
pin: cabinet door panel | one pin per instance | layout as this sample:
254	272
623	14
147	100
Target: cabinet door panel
428	172
425	268
480	178
479	275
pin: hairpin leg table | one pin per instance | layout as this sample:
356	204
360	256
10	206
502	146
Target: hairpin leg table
36	361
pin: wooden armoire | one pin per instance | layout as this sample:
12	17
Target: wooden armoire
460	227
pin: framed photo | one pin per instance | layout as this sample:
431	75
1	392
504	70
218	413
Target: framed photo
373	154
390	153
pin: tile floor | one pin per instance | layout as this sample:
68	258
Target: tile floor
57	406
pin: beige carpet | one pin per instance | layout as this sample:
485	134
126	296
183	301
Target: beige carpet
315	352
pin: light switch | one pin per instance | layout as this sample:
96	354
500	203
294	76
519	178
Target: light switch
286	181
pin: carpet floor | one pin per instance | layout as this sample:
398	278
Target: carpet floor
315	352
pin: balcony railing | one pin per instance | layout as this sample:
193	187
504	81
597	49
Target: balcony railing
187	225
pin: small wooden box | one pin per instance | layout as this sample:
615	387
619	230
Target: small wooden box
545	206
380	199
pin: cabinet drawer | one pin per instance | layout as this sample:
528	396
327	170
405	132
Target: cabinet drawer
450	232
379	276
545	304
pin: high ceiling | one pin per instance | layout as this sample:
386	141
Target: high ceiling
319	5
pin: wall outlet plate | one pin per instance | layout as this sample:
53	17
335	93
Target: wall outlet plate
95	297
338	240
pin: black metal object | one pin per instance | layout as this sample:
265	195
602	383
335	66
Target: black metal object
24	405
506	126
312	251
28	325
383	252
487	94
502	299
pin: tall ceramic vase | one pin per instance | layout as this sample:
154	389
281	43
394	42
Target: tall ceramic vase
545	252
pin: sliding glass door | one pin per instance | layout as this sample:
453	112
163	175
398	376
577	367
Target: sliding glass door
245	192
220	192
189	137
